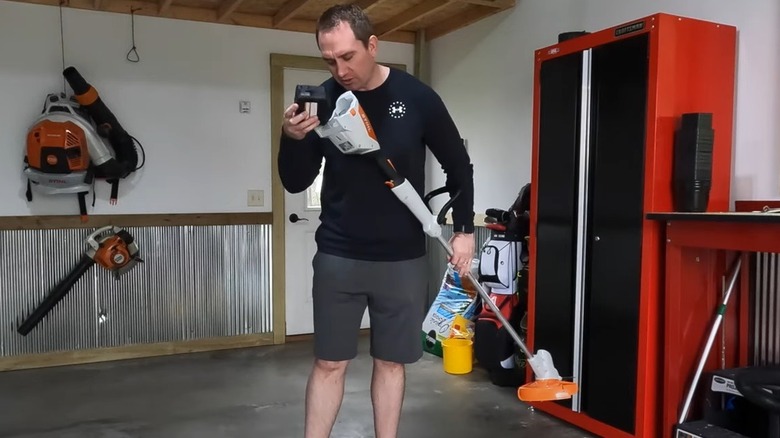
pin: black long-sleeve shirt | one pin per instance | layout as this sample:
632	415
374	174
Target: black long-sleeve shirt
361	218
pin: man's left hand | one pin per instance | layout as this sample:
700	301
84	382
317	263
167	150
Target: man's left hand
462	252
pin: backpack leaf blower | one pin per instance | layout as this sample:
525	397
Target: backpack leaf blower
111	247
75	140
351	132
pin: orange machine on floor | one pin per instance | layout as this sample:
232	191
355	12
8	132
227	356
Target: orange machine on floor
607	106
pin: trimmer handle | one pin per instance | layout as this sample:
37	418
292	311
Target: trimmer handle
441	218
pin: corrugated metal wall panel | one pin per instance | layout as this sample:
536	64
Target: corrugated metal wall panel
766	309
196	282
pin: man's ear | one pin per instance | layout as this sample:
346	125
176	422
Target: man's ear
373	41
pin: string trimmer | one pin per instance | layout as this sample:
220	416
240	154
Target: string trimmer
350	131
111	247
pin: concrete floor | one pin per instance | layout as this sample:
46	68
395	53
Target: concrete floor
249	393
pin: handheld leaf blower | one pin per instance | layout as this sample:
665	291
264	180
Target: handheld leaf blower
111	247
351	132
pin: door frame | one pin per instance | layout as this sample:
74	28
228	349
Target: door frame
279	62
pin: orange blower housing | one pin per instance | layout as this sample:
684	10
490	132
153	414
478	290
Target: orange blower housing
57	147
60	151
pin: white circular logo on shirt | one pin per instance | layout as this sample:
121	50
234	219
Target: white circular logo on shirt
397	109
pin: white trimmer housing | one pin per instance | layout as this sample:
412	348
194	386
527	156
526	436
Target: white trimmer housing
409	196
349	128
543	367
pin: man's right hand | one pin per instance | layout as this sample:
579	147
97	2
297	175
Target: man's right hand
298	125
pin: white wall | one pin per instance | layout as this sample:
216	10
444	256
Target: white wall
495	114
181	101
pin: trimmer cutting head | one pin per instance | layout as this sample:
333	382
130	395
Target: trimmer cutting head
546	390
548	384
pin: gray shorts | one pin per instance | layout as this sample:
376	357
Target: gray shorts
395	294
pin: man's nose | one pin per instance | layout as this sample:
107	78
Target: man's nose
341	70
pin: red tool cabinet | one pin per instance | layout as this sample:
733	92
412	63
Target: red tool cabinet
606	105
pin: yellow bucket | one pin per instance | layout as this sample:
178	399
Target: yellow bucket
457	355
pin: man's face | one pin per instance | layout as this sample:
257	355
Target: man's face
350	62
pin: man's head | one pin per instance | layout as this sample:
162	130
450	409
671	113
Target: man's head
348	45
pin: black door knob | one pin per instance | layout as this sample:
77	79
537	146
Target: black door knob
294	218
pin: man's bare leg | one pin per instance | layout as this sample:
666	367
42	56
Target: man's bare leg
387	395
324	393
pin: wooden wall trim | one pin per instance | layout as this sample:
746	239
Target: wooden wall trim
138	351
133	220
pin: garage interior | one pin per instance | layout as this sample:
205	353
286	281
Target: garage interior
633	144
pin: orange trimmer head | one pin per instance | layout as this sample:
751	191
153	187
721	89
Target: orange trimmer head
546	390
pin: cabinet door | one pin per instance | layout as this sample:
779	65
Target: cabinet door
556	210
619	75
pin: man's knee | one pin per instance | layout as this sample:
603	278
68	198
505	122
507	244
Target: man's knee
331	367
388	366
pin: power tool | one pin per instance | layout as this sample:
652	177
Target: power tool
75	140
350	130
111	247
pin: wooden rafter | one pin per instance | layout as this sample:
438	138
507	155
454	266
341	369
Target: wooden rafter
471	15
288	11
366	5
498	4
227	8
164	5
394	20
410	15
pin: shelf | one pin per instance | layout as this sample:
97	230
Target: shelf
725	216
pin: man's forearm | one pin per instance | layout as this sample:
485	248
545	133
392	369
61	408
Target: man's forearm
463	206
299	162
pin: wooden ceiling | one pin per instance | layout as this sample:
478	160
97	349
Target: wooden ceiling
394	20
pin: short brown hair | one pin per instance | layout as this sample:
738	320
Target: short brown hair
351	14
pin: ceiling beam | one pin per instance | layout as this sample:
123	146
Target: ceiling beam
390	28
499	4
366	5
227	8
471	15
410	15
164	5
306	26
288	11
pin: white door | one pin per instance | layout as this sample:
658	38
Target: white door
302	212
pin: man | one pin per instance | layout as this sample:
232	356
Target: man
371	249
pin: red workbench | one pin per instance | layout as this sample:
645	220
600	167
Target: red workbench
700	249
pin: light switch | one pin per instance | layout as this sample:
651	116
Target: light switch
254	198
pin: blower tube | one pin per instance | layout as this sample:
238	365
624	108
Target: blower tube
107	125
55	295
693	162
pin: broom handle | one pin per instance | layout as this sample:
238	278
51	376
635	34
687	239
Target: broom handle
711	338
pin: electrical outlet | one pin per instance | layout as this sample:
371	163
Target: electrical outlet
244	107
254	198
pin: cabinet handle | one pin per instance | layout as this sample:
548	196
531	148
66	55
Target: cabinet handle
597	238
